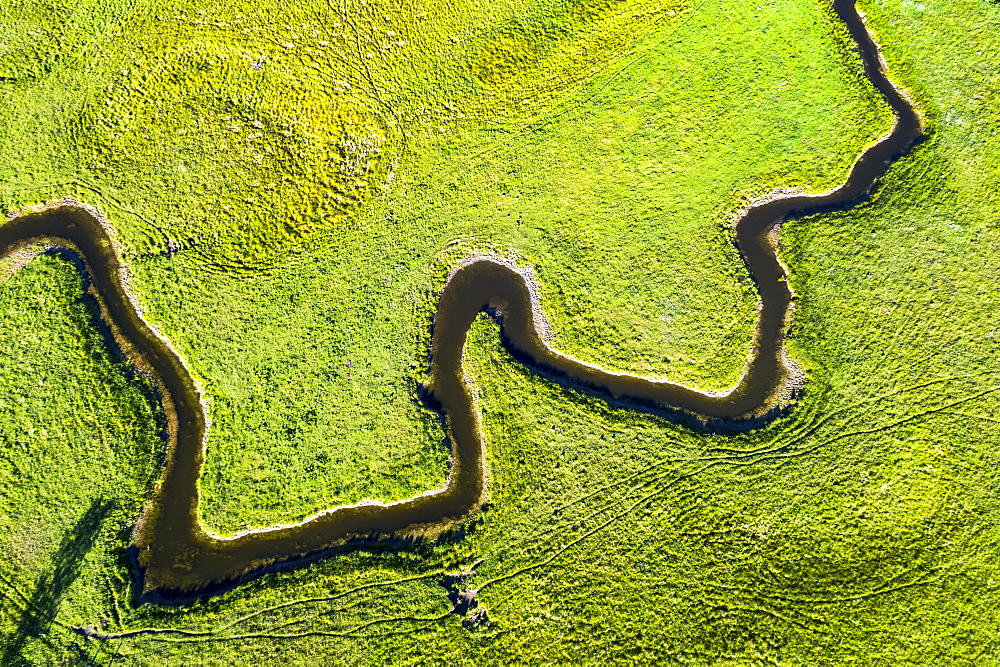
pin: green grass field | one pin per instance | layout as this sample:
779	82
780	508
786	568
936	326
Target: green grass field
291	183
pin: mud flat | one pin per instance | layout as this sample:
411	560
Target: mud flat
178	559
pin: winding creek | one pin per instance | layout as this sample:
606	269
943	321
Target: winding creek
177	558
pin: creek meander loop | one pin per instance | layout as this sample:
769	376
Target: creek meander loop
177	558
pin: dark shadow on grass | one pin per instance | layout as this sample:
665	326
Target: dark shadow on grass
43	605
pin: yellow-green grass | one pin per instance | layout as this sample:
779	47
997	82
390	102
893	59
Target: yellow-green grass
618	185
871	529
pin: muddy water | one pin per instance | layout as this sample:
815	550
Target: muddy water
177	558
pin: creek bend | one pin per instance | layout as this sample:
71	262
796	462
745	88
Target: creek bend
177	558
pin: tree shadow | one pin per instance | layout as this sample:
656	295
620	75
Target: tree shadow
43	605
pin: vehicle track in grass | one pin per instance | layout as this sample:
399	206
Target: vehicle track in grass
647	493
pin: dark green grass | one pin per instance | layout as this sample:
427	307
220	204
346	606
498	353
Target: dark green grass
79	446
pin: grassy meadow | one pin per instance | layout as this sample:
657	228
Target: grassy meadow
291	183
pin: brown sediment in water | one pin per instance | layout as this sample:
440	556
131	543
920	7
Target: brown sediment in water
178	558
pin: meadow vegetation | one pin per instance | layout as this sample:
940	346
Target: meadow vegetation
291	183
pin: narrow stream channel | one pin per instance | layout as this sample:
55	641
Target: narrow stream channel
177	559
